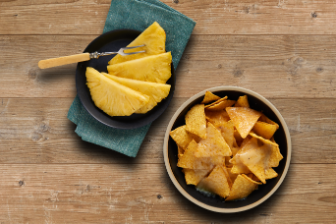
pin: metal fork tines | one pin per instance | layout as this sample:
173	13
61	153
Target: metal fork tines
121	52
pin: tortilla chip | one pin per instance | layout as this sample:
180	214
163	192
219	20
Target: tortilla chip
242	102
213	145
270	174
246	140
243	118
195	121
228	165
227	131
264	129
227	176
255	156
221	105
265	119
238	138
250	176
233	176
278	154
216	117
209	97
227	160
180	152
241	188
216	182
275	155
240	169
253	177
188	160
181	137
217	101
193	177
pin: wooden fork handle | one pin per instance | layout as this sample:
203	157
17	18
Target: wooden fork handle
53	62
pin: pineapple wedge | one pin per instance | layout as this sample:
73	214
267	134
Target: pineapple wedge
112	97
155	68
156	91
154	37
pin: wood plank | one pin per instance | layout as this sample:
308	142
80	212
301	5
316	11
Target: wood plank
212	17
127	193
281	66
45	135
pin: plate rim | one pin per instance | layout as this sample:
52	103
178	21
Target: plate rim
213	208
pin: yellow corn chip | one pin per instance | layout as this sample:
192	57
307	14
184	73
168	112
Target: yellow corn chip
213	145
233	176
265	119
227	176
227	160
238	138
220	105
227	131
250	176
242	102
241	188
180	151
209	97
240	169
264	129
181	137
275	155
256	158
243	118
253	177
235	160
217	101
216	182
278	156
194	176
270	174
216	117
228	165
195	121
246	140
188	160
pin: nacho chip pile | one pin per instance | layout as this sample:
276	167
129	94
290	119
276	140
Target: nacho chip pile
227	148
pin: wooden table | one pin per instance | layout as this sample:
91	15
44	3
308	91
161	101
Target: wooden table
285	50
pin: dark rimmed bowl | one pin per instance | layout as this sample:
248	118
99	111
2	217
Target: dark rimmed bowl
217	204
113	41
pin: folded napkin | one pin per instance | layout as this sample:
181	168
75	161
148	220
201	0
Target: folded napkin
137	15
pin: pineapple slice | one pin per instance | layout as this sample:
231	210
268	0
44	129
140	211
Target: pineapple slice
112	97
154	37
156	91
155	68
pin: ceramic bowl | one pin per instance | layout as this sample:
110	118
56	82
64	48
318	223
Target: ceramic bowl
218	204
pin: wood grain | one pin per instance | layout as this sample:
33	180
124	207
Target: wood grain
212	17
47	136
285	50
278	66
126	193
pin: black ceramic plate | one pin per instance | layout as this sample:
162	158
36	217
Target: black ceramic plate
217	203
113	41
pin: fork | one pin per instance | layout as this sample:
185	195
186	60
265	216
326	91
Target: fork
53	62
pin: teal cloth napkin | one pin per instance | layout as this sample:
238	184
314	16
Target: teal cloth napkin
137	15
